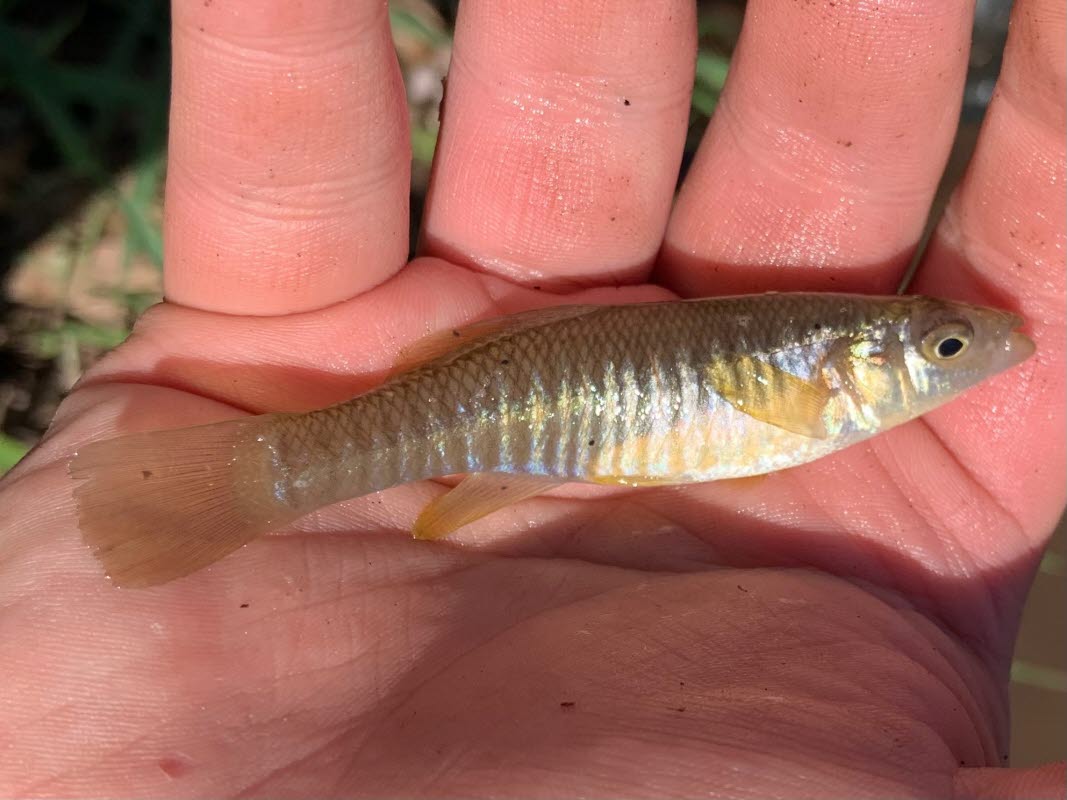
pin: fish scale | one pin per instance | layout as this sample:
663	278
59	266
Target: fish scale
609	356
654	393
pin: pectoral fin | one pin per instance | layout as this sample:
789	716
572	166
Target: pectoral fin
772	395
478	495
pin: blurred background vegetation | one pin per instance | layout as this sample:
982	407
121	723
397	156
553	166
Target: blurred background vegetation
83	109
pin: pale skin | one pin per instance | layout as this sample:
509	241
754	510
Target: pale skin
842	629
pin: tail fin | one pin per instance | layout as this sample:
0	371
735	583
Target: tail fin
156	506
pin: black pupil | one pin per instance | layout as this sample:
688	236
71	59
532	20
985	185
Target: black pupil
949	347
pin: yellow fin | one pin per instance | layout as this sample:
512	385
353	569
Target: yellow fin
442	343
632	480
772	395
747	482
159	505
478	495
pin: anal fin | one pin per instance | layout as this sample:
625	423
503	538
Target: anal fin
477	496
632	480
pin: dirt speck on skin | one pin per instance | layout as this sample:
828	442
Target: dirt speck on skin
174	767
567	704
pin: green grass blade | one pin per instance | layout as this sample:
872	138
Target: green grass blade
704	100
423	143
403	20
1037	676
11	452
135	21
48	41
143	233
718	25
1053	564
98	87
31	76
48	344
711	71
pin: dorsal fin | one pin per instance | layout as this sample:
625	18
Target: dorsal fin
451	340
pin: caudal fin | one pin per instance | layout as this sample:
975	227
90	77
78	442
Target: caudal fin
156	506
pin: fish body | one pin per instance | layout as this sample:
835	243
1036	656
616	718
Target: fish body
645	394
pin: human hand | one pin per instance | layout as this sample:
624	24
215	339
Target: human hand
840	629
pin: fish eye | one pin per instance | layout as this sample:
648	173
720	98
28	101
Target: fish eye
947	342
951	346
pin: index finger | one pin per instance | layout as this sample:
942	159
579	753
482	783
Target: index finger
287	184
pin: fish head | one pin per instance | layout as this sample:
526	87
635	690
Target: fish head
949	347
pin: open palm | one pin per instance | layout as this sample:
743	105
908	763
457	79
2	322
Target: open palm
841	629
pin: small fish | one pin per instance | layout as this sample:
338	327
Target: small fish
636	395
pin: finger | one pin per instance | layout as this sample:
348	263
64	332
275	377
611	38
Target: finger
823	156
287	184
304	361
1002	241
561	140
1032	783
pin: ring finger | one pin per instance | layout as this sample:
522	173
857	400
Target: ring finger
821	161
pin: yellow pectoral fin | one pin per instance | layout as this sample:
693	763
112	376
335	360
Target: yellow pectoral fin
477	495
772	395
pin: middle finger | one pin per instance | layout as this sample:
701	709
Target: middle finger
562	134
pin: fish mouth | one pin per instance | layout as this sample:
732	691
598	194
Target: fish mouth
1018	346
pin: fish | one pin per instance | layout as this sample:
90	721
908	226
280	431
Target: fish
646	394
